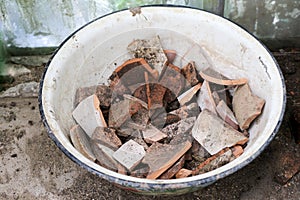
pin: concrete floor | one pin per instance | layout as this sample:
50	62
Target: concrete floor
32	167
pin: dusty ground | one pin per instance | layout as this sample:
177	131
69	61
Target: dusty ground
32	167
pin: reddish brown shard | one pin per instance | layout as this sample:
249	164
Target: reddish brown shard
171	55
140	171
82	93
172	79
104	156
174	169
165	119
107	136
155	95
191	74
246	106
215	77
81	142
119	113
237	150
141	117
189	94
141	93
104	94
132	71
152	134
116	86
186	111
160	157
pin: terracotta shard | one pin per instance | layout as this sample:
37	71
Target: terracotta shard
119	112
88	115
190	110
130	154
136	136
140	171
132	71
116	86
182	173
189	94
104	156
198	152
215	77
141	117
237	150
180	127
81	142
141	93
155	95
217	162
104	94
246	106
165	119
107	136
172	79
82	93
151	50
171	55
213	134
160	157
134	99
205	99
191	74
227	115
152	134
174	169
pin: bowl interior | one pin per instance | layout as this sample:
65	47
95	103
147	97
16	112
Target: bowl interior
90	55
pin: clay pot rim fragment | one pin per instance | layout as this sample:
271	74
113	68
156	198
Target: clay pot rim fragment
55	109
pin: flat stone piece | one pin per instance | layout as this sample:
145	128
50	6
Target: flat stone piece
191	74
150	50
185	111
160	157
107	136
214	134
88	115
189	94
172	79
226	114
180	127
104	156
246	106
205	99
119	112
81	142
174	169
152	134
130	154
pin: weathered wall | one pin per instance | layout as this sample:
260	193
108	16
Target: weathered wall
44	23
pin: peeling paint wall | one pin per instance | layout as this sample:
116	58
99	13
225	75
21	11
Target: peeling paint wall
44	23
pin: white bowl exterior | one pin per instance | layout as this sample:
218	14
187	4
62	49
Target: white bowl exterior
87	58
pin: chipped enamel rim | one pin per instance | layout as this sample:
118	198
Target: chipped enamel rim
146	186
